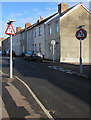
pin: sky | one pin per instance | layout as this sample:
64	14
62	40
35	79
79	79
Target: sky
23	12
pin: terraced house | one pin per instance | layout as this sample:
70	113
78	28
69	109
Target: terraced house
36	35
61	27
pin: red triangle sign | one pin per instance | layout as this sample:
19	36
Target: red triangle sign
10	30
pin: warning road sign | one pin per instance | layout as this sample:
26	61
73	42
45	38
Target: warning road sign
10	30
81	34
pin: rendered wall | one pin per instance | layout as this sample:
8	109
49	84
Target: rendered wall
69	44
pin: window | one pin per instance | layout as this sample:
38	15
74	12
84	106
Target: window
32	32
35	46
29	34
50	28
40	47
35	32
19	37
57	26
39	31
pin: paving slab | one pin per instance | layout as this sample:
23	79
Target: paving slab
14	104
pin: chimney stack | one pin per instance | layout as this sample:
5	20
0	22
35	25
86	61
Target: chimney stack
62	7
41	18
27	25
18	29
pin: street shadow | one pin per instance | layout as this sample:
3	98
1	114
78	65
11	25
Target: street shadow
5	65
13	110
73	84
76	85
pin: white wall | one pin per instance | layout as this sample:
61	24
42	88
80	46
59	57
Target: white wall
33	40
40	39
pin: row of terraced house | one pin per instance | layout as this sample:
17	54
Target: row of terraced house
60	27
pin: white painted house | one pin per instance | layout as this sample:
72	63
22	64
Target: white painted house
36	35
36	38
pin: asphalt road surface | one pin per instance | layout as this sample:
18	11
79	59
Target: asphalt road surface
64	95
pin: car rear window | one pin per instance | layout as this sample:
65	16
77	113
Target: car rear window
30	52
37	53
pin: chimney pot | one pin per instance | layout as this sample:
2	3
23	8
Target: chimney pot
41	18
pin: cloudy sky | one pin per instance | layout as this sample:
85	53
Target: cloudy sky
23	12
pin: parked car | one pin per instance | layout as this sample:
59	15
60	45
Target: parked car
33	55
8	53
0	52
3	52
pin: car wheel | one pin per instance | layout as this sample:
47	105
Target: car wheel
30	58
41	60
24	58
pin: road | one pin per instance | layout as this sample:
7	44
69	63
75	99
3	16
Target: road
64	95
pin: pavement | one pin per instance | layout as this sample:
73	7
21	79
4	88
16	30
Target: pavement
71	68
14	103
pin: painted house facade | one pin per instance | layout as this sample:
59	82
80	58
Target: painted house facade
70	45
16	43
36	35
6	44
19	41
36	38
62	29
1	39
53	33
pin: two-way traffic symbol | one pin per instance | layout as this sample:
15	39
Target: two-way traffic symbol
81	34
10	30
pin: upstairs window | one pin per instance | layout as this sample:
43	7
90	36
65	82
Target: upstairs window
29	34
39	31
35	32
32	33
50	28
57	26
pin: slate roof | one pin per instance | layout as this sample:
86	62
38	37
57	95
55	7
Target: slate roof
55	16
66	11
42	21
37	23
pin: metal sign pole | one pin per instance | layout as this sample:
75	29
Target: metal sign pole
11	69
81	67
10	31
81	34
53	43
53	53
